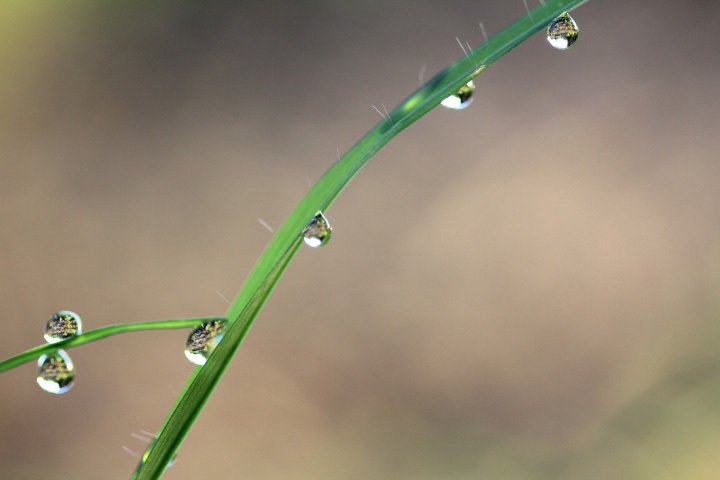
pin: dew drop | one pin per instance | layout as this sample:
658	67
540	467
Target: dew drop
317	233
203	340
55	372
562	32
62	325
461	99
145	456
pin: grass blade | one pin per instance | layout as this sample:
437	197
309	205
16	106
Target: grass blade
284	245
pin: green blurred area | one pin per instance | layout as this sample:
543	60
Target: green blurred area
526	289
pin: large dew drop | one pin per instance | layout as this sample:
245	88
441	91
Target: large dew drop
318	231
55	372
562	32
460	99
203	340
62	325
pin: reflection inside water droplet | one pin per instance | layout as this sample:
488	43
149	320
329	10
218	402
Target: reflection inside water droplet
460	99
55	372
318	231
62	325
203	340
562	32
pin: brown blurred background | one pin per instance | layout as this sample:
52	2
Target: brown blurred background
526	289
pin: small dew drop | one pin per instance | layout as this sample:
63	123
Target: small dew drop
145	456
62	325
562	32
203	340
461	99
55	372
318	231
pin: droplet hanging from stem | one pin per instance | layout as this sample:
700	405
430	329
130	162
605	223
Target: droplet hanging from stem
203	339
460	99
317	232
56	372
562	32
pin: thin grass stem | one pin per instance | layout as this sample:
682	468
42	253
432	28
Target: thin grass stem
98	334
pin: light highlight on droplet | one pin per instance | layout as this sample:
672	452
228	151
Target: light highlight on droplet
460	99
317	232
562	32
62	325
203	340
56	372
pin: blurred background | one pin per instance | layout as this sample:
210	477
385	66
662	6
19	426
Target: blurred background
525	289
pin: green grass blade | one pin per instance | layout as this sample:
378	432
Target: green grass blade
284	245
98	334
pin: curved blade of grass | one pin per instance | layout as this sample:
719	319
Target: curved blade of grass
98	334
284	245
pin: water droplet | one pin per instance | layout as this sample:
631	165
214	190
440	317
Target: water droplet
317	233
62	325
55	372
147	454
203	340
461	99
562	32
